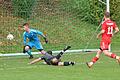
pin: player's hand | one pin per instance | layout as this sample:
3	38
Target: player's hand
46	41
98	36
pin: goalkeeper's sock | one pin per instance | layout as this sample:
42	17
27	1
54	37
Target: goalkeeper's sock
67	63
29	52
95	59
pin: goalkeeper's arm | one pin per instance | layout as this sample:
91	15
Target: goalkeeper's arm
46	41
36	60
40	33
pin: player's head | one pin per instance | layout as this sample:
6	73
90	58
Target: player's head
107	15
26	26
49	52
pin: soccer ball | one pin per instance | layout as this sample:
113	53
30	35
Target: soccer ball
10	37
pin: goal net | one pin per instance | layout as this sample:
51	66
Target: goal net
66	22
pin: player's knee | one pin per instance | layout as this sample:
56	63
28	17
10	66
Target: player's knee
27	48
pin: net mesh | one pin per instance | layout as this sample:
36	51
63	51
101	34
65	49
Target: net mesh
61	20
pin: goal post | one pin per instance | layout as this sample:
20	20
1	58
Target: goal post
108	10
108	5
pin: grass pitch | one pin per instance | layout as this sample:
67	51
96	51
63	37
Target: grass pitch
17	68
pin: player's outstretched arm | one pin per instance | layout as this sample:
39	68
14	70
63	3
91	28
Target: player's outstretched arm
36	60
43	35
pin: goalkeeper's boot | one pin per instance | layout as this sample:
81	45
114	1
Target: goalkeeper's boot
31	56
89	64
72	63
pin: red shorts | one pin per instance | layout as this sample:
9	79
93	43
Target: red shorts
104	45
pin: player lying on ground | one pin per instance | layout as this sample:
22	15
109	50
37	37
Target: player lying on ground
54	60
32	36
107	32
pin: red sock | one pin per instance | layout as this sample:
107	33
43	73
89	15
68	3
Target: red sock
94	59
113	56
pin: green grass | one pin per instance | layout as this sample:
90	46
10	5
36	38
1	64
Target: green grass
16	68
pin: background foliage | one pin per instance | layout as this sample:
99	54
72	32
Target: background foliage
87	10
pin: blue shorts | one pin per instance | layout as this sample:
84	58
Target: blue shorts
35	44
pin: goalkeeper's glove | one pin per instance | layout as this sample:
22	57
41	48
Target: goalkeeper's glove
46	41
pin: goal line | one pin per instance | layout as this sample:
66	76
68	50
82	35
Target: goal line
54	52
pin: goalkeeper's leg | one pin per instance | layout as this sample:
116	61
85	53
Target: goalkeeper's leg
66	63
58	62
59	55
27	49
62	52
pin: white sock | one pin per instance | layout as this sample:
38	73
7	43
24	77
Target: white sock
117	57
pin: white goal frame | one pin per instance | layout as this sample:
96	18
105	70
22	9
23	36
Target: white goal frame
71	51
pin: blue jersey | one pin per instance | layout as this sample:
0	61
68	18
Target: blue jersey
32	36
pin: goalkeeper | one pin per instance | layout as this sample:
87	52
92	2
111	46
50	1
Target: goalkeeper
53	60
32	36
